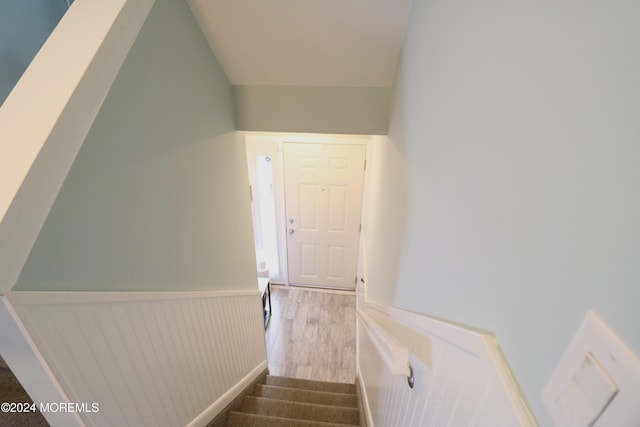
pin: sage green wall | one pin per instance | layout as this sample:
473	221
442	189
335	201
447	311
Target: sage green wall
343	110
515	128
157	198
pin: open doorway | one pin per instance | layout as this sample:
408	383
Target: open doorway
266	235
307	198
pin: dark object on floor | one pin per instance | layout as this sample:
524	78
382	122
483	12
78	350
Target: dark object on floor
11	391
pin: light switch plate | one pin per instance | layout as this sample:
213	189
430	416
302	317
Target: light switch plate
588	394
597	382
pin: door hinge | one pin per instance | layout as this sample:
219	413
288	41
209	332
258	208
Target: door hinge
365	164
251	194
355	282
360	229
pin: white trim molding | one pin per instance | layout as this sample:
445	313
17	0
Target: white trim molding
395	355
218	406
65	297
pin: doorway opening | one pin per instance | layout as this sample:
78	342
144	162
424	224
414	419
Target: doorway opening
308	195
265	228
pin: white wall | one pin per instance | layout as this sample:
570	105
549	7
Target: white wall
515	129
385	217
157	198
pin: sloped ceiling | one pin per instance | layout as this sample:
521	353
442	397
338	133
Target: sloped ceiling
344	43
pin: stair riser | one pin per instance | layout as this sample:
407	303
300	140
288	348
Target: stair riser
300	411
237	419
307	396
311	385
292	402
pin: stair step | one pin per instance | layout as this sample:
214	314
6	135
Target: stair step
311	385
239	419
306	396
300	411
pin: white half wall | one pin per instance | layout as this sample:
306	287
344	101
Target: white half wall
147	359
461	377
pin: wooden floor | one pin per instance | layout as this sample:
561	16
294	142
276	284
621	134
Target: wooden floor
312	334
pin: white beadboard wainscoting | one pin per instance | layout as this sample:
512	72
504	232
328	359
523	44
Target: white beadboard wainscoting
148	358
461	376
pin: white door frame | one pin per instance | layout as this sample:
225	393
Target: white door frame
270	144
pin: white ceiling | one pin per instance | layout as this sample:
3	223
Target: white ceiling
305	42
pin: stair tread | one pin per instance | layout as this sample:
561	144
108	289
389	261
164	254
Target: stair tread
240	419
311	384
306	396
300	410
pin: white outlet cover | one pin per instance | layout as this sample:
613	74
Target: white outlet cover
597	382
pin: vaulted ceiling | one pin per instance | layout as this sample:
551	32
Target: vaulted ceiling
352	43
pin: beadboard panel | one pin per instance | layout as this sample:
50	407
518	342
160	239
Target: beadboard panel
460	377
147	359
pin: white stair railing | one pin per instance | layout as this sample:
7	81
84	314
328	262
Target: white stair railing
394	354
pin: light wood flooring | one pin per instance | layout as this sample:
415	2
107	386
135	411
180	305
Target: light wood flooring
312	334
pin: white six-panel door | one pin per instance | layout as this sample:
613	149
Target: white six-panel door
323	192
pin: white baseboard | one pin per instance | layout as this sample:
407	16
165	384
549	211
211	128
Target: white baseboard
216	407
365	400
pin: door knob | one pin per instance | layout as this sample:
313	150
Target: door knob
291	231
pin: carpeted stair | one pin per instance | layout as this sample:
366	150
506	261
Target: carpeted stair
292	402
